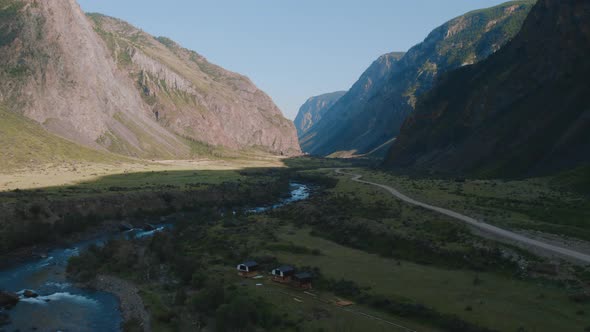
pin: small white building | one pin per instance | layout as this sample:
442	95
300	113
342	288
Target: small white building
247	268
283	274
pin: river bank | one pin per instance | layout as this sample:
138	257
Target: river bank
130	302
40	251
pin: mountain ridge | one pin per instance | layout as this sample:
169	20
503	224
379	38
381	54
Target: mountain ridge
313	109
522	112
240	108
360	123
364	88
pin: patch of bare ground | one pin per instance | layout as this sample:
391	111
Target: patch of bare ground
49	175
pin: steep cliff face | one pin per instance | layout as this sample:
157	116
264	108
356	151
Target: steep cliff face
114	87
314	109
58	72
525	110
320	138
194	98
362	122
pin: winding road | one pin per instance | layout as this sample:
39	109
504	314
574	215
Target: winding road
485	227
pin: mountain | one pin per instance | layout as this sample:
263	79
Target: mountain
372	112
314	108
365	88
102	83
523	111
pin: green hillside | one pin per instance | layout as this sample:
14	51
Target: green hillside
25	143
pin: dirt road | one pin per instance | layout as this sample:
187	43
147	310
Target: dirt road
524	241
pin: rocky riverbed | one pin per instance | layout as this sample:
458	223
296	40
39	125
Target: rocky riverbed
130	302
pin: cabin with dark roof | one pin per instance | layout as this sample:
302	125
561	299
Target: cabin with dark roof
248	269
303	280
283	274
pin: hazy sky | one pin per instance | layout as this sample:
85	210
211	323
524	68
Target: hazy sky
292	49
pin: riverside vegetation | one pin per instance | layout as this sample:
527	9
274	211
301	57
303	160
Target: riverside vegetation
33	216
399	263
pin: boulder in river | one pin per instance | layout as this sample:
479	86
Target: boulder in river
8	300
124	227
30	294
149	227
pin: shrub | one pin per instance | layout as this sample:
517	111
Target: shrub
293	249
580	298
133	325
209	299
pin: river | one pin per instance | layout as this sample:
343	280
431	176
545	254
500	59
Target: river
61	306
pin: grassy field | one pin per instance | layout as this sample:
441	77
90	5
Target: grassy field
131	172
317	315
532	204
24	143
535	306
479	297
311	312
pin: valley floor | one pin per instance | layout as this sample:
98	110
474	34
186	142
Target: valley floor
544	247
543	209
51	175
404	268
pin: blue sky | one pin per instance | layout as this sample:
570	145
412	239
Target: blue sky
292	49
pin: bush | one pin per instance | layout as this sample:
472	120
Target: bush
345	288
240	314
294	249
580	298
209	299
133	325
198	279
84	267
180	297
243	313
36	209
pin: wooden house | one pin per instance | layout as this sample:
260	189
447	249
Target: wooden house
303	280
248	269
283	274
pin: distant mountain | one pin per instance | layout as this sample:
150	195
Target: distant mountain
314	108
372	112
524	111
364	89
99	82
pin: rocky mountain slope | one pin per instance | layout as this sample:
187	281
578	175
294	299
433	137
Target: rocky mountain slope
364	89
525	110
314	108
104	84
372	112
